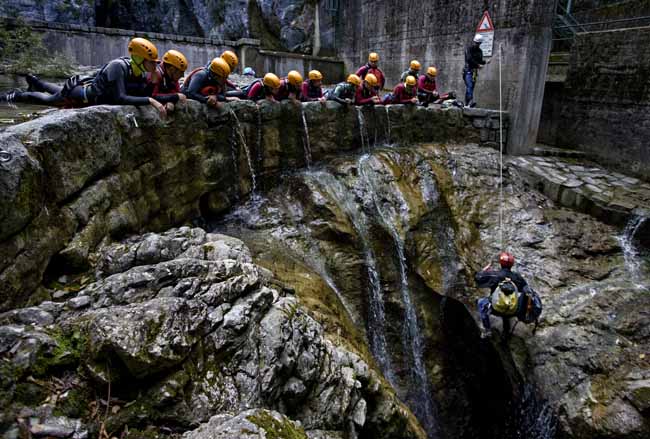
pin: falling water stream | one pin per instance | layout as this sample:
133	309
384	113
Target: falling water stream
305	139
376	315
242	139
634	262
362	129
412	338
387	124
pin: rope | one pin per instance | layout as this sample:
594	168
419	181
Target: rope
500	154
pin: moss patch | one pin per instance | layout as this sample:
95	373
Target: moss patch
275	429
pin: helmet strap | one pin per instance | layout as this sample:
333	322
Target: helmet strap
137	64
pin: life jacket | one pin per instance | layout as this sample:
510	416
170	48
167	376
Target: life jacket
188	78
166	84
504	298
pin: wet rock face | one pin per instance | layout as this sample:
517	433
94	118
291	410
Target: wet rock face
182	326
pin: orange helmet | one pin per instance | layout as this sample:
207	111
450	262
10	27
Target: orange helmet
220	68
143	48
354	80
295	78
231	58
315	75
271	80
432	71
373	57
415	65
506	260
372	80
176	59
410	81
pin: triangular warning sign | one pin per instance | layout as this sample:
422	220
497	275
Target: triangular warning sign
485	25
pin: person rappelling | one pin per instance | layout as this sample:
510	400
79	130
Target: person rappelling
510	296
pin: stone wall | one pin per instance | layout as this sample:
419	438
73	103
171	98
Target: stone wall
607	98
77	177
94	46
436	33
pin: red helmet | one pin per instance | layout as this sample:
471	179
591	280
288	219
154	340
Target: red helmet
506	260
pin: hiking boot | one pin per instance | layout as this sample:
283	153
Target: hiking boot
486	333
10	96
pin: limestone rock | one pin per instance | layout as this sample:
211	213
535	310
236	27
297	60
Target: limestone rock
249	424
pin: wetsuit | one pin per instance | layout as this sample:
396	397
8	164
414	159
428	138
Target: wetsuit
259	91
286	89
116	84
343	91
233	91
473	60
491	279
401	95
201	83
309	92
409	72
364	70
364	95
166	89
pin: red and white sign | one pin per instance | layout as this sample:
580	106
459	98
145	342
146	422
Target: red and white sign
486	29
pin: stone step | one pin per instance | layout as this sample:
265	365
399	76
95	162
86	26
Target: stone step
612	197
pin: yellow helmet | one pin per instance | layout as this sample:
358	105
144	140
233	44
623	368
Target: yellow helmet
372	80
271	80
410	81
220	67
373	57
231	58
315	75
432	71
415	65
143	48
176	59
354	80
295	78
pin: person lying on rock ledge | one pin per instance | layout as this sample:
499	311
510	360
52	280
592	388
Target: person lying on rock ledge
367	93
312	88
163	82
345	92
120	82
265	88
290	87
208	84
404	93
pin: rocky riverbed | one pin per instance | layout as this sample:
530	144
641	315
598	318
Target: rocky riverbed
335	301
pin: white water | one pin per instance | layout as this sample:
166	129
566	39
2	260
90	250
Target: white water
634	264
260	153
412	338
387	125
305	139
242	139
376	316
362	129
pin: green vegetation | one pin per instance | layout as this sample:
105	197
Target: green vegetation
277	429
22	51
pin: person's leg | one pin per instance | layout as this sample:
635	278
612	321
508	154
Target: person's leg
37	84
35	97
469	87
236	94
506	328
484	309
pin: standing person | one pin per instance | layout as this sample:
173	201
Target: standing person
473	61
208	84
372	67
312	88
265	88
414	70
505	287
290	87
120	82
345	92
404	93
163	82
367	93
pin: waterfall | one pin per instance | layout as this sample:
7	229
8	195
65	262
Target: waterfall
376	315
362	128
305	139
387	124
412	338
260	153
634	263
242	139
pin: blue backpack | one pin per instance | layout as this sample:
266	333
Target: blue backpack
529	308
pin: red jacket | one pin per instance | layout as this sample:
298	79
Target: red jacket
364	96
258	91
402	96
165	86
364	70
285	89
424	83
310	93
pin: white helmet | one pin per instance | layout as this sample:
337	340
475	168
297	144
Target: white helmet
478	38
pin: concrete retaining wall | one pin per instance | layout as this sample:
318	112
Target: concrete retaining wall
604	110
94	46
436	33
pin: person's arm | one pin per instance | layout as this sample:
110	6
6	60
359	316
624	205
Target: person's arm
117	74
231	84
254	91
362	71
335	95
194	89
486	278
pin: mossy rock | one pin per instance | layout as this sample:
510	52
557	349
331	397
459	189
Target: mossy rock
276	429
